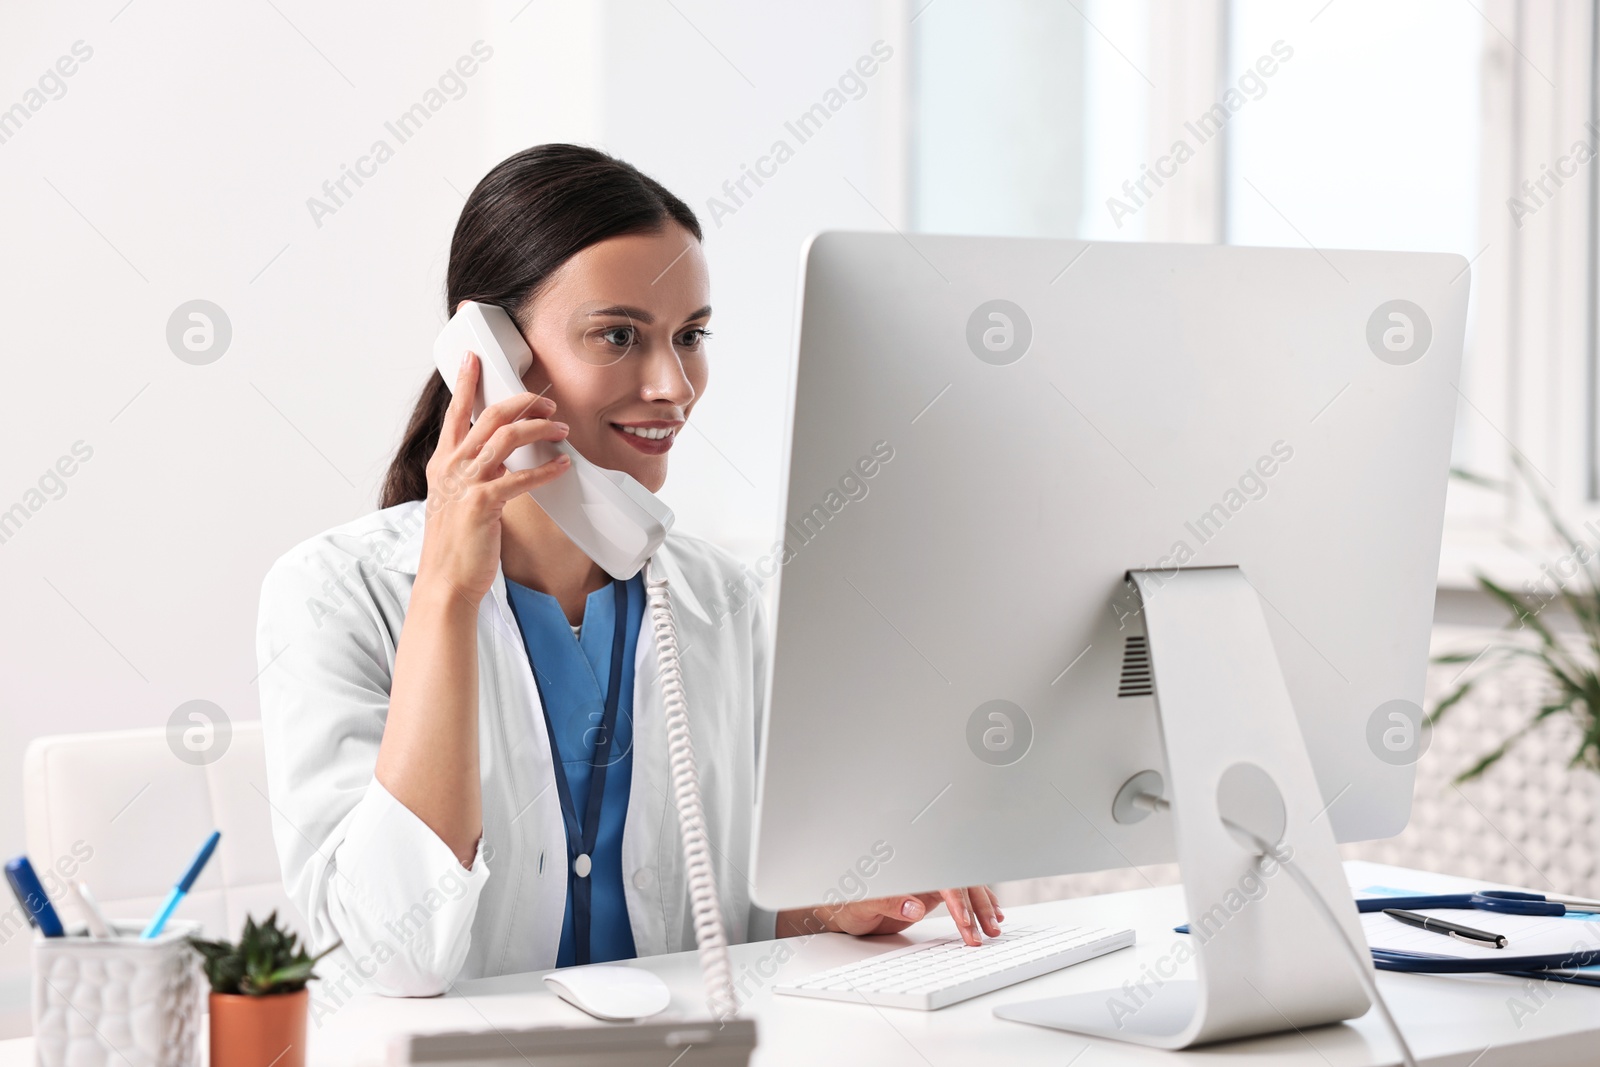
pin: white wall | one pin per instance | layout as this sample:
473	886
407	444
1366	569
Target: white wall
177	165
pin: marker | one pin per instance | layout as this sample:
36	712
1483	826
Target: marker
31	895
92	915
181	890
1449	929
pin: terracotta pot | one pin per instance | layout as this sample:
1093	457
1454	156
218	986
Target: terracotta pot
265	1031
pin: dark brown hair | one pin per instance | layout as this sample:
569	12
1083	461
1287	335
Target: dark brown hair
528	215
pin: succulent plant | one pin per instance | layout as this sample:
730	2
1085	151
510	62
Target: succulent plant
266	961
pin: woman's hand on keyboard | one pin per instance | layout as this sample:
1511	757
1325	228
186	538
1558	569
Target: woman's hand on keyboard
975	910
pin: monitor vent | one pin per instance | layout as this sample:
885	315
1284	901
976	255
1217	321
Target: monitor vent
1135	668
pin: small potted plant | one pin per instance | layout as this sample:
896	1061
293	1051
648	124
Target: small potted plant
258	996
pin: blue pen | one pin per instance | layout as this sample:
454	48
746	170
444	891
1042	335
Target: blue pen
181	890
31	895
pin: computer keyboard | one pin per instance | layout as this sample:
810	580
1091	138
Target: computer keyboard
934	974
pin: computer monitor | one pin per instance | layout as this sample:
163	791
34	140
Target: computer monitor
987	435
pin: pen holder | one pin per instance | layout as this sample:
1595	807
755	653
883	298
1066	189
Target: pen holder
122	1000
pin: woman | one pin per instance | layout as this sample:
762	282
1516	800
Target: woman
465	750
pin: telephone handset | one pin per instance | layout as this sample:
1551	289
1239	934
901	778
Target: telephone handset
616	521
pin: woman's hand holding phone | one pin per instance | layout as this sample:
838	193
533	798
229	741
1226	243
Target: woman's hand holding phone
469	485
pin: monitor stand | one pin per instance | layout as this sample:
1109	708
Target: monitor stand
1264	959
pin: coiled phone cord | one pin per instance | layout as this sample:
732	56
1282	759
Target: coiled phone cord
715	966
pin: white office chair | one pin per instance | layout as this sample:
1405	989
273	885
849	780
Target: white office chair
131	815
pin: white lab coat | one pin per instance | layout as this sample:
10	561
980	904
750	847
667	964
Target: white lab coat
361	867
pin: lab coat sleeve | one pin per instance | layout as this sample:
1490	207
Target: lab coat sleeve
360	866
761	924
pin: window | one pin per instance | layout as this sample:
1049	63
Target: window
1027	116
1439	125
1360	139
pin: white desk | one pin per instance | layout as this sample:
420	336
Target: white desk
1447	1020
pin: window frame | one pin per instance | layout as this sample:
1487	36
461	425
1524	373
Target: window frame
1532	374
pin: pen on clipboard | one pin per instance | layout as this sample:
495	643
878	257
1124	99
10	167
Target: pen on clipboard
1470	934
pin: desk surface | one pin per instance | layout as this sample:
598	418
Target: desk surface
1457	1020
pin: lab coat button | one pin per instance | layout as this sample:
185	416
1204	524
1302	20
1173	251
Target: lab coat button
581	866
641	878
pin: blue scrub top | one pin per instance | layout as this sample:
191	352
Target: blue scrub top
573	675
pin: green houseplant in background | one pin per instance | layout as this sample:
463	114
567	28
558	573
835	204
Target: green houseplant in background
1569	665
258	995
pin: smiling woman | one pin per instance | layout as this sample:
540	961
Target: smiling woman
484	696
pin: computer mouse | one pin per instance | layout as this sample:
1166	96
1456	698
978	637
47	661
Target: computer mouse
611	993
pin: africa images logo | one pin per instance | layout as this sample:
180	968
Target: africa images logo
1399	332
999	332
999	732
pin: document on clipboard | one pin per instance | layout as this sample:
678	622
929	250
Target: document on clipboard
1528	935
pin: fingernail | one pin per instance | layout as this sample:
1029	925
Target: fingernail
911	909
563	427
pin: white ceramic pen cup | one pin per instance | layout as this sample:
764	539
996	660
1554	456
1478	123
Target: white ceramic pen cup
122	1000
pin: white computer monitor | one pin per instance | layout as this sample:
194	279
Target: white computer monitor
986	434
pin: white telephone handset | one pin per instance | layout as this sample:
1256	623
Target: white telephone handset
616	521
